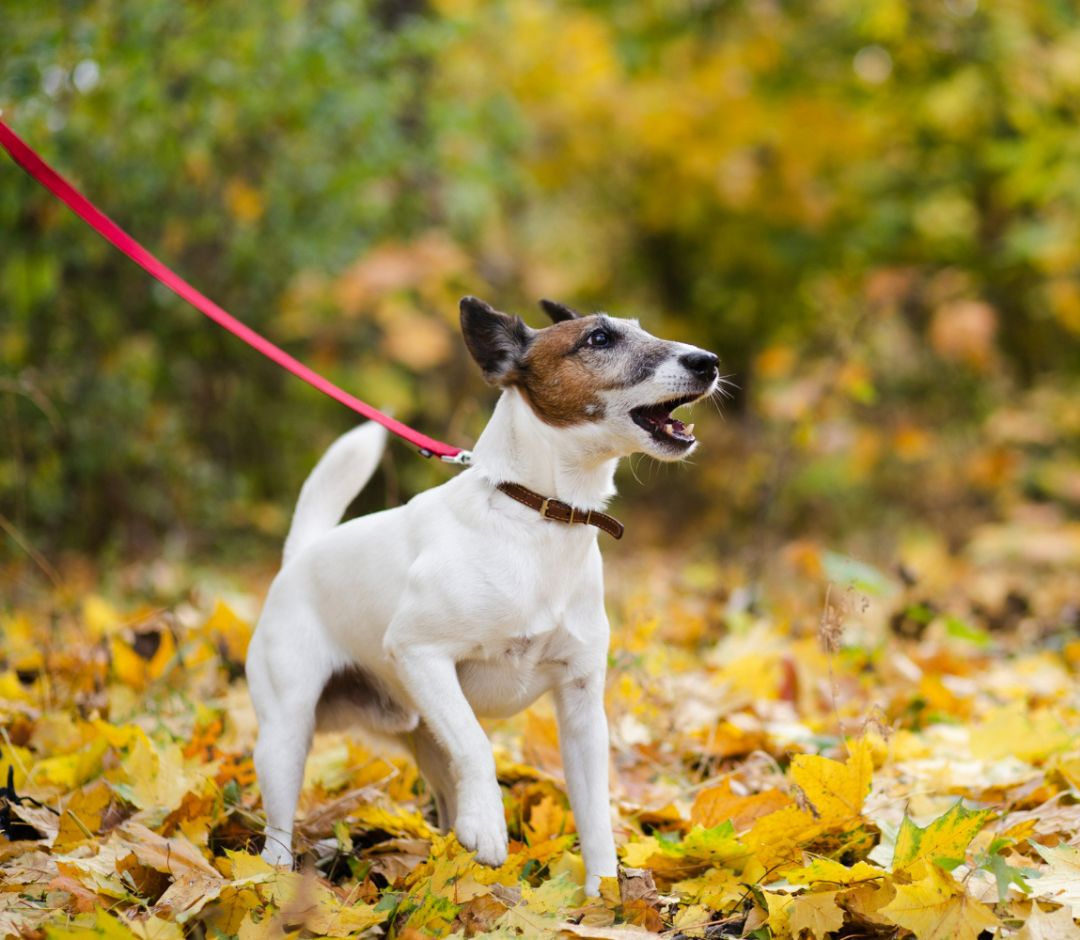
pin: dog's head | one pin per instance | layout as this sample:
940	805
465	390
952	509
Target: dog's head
596	374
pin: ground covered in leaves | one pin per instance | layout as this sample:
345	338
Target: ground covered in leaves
855	751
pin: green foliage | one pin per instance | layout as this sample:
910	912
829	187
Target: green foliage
252	145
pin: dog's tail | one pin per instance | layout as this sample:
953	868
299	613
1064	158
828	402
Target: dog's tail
342	472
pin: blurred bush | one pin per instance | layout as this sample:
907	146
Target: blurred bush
869	209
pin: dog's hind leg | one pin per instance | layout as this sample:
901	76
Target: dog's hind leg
280	755
285	690
434	764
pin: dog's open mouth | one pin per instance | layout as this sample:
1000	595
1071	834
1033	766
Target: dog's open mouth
657	420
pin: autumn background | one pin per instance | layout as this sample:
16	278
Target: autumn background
858	603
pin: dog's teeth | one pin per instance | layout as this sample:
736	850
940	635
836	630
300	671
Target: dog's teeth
669	429
689	430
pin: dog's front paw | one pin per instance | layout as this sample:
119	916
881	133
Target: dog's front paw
485	835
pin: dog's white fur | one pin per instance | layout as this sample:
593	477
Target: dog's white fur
460	603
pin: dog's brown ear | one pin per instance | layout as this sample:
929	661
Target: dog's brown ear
497	341
558	312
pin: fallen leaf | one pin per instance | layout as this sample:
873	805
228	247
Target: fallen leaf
82	814
943	841
174	856
719	804
936	908
835	790
827	871
1049	925
1059	883
816	913
779	907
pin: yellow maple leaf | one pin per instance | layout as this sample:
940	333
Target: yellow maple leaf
717	889
719	804
691	921
816	913
540	747
71	770
393	819
866	900
547	820
432	917
232	633
104	926
636	854
671	861
157	779
133	669
154	928
82	814
835	790
239	866
718	846
305	900
552	896
777	840
569	864
827	871
779	907
937	908
334	917
944	840
228	915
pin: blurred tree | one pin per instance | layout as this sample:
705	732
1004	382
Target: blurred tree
252	146
890	187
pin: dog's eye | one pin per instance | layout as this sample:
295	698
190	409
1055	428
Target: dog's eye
599	339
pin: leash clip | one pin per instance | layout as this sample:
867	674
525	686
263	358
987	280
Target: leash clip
462	458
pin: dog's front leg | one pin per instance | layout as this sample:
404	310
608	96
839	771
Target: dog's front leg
430	677
583	740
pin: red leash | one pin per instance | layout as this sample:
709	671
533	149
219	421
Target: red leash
25	156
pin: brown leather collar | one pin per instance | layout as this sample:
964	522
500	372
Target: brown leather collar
558	511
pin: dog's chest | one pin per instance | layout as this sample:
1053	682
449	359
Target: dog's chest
511	677
539	621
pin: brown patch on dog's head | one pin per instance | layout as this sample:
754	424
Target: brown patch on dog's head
562	369
557	380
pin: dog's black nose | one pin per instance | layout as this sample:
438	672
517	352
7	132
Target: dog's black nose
702	364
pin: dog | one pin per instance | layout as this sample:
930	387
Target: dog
477	596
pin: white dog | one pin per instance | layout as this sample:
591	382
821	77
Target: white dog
474	598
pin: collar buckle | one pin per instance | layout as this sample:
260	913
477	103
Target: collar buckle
551	503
